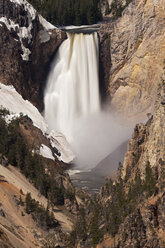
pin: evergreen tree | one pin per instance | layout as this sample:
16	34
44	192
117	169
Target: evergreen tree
95	233
150	182
69	12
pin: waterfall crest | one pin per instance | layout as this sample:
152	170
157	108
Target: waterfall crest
72	89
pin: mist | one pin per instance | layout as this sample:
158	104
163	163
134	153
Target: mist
95	137
73	105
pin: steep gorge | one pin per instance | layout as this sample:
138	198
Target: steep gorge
132	54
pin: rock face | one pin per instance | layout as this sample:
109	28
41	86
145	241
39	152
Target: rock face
137	54
27	44
145	225
106	7
148	141
110	164
104	59
147	146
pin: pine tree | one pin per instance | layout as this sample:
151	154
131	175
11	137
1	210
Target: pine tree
28	203
150	182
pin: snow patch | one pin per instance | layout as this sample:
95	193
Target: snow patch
25	32
22	32
9	23
12	100
44	36
11	116
46	152
27	6
47	25
26	53
59	141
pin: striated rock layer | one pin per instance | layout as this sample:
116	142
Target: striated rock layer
27	44
137	51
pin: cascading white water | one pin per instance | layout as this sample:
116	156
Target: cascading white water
72	89
72	102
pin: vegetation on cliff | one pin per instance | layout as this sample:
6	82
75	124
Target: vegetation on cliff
87	231
107	211
14	147
125	196
116	8
68	12
44	217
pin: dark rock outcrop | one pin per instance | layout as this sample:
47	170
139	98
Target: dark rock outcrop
26	49
104	59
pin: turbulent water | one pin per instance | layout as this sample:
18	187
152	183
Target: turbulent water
88	181
72	90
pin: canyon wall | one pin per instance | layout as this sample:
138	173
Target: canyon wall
132	53
147	146
136	87
136	49
140	188
27	44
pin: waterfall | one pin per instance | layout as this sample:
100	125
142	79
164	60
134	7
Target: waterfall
72	89
72	102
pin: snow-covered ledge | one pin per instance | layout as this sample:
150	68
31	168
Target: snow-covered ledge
59	141
13	101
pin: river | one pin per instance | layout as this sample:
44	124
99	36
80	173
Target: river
87	180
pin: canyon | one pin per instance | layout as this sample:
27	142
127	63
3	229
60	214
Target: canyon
131	84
